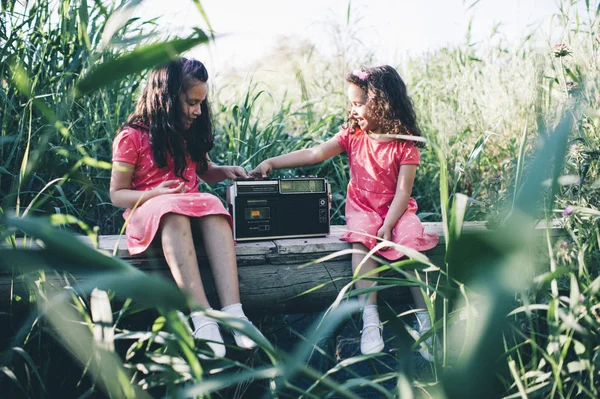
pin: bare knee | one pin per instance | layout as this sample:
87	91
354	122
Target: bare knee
359	255
176	235
174	220
174	226
359	246
214	223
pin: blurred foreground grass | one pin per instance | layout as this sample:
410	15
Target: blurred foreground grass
513	139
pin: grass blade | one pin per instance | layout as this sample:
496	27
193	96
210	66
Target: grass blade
138	60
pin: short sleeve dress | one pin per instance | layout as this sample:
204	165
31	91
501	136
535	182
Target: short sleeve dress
374	167
133	145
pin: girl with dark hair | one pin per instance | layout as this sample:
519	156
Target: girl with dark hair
158	157
381	137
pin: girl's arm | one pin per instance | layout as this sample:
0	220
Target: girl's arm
406	179
216	173
123	196
309	156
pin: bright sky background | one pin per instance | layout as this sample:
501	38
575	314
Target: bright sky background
389	28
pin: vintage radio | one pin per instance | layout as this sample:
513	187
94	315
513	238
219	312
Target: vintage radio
279	208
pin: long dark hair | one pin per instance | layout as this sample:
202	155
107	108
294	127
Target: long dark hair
160	110
388	102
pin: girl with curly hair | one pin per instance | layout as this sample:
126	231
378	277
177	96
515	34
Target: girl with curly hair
381	137
159	155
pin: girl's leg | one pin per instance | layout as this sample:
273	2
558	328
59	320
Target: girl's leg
417	295
371	340
220	250
423	322
180	254
367	266
422	315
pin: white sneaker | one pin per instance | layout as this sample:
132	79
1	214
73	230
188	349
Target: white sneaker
209	331
426	348
242	340
371	340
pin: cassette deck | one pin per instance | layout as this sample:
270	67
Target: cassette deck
279	208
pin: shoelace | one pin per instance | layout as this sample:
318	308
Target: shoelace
371	325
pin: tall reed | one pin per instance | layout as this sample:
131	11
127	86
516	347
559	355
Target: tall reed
512	138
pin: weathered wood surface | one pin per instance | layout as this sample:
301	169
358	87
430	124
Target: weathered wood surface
274	274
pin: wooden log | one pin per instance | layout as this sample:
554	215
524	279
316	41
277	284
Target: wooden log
271	273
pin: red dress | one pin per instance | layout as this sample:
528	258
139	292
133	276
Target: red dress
132	145
374	168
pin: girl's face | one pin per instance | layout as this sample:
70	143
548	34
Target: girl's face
190	100
359	110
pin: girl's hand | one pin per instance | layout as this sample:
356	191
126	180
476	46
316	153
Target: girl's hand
234	172
262	170
385	233
170	187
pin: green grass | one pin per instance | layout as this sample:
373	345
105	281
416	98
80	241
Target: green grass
513	139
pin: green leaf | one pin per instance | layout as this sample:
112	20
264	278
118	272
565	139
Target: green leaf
348	13
32	366
96	163
473	4
65	247
107	368
520	162
9	373
477	149
138	60
117	20
204	16
547	164
494	265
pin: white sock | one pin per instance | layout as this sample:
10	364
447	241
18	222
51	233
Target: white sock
235	310
241	340
370	315
423	320
198	318
207	329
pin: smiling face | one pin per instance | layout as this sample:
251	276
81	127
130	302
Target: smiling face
359	111
191	100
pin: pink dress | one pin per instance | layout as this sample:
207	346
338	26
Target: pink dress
374	167
133	146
